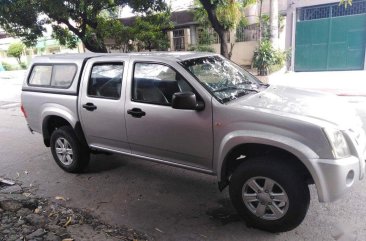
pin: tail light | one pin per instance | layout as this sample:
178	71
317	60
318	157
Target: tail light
23	111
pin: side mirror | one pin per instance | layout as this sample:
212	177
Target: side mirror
186	101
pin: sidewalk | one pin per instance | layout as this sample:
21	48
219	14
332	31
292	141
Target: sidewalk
14	74
343	83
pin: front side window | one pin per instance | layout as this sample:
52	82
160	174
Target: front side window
53	75
106	81
225	80
156	83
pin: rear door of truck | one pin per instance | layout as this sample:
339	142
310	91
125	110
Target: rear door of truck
101	103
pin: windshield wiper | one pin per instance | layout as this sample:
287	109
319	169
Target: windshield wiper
235	88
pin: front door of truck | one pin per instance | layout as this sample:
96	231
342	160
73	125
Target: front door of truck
101	103
158	131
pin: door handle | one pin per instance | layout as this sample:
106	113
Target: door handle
89	106
136	112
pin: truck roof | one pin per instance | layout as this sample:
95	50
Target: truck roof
176	56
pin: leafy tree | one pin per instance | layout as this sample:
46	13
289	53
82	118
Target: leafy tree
70	19
16	50
150	31
345	2
266	28
114	29
146	32
223	16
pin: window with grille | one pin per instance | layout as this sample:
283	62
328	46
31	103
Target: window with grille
332	10
202	36
247	33
178	39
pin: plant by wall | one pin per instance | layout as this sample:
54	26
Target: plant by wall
267	59
266	28
201	48
16	50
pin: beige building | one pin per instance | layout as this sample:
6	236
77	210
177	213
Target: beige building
187	31
244	40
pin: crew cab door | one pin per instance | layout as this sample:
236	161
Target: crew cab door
101	103
158	131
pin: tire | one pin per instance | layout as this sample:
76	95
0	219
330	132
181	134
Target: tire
261	173
62	140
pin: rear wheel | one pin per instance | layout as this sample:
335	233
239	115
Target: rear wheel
269	194
67	150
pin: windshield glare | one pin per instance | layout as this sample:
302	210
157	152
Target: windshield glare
225	80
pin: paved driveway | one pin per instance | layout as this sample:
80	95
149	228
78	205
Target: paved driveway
167	203
350	85
344	83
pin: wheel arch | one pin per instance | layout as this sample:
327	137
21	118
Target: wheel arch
53	119
237	149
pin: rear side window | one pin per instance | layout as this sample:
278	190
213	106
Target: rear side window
58	75
106	81
63	75
41	75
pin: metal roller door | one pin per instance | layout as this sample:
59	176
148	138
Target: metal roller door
331	37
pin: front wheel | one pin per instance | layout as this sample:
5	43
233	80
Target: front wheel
67	150
269	194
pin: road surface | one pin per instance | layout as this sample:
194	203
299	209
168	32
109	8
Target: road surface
165	202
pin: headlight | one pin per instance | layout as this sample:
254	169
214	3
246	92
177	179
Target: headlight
338	143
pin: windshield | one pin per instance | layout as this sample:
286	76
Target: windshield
225	80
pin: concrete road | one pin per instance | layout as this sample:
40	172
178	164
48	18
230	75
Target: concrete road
165	202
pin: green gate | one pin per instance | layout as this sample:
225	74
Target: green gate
331	37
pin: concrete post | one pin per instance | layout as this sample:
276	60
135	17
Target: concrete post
187	38
274	23
170	36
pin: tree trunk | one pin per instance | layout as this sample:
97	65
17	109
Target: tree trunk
231	50
95	47
223	43
260	21
217	26
273	18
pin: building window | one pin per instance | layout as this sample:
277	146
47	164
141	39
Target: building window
178	39
247	33
209	35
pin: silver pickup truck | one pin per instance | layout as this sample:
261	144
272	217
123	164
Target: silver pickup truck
201	112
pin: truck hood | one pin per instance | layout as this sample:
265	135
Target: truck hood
299	102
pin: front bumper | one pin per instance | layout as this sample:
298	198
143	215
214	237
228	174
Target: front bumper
336	177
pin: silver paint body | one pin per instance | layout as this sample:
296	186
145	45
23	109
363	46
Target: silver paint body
287	118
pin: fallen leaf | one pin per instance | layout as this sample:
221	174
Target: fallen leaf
27	194
6	181
18	174
68	222
159	230
68	239
60	198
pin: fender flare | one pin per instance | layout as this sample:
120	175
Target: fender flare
237	138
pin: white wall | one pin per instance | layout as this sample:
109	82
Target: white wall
243	52
252	12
